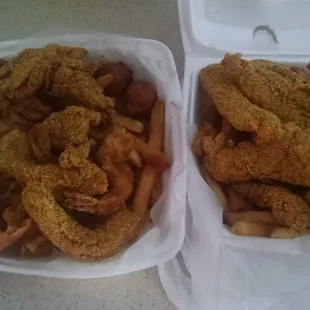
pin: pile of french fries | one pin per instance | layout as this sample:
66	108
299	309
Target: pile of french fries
240	217
149	187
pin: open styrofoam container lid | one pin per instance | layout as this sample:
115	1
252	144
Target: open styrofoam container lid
216	26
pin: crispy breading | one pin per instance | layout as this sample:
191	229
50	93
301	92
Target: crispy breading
31	109
289	209
53	221
286	160
81	86
71	126
236	108
68	235
273	87
55	68
75	156
113	155
28	72
17	160
40	144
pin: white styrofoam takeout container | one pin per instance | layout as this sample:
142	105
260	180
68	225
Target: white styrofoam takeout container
153	61
215	269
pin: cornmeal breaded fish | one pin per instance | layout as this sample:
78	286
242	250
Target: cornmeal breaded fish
273	87
236	108
289	209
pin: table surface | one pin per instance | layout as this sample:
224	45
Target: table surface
156	19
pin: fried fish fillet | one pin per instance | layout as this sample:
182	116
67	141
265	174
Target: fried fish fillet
70	126
273	87
289	209
57	226
237	108
286	160
68	235
16	159
81	86
60	69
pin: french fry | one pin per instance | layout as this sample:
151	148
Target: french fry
152	155
134	159
129	123
144	189
243	228
286	233
157	126
149	173
105	80
250	217
215	186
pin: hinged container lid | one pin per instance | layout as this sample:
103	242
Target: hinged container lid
265	27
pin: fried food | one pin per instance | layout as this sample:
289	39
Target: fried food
9	188
113	155
16	121
40	144
157	191
140	97
33	243
5	127
129	123
64	130
272	87
17	223
149	173
27	72
81	86
68	165
121	77
38	246
51	218
68	235
31	109
236	108
56	69
287	208
259	146
285	233
134	159
104	81
216	187
243	228
235	202
206	129
75	156
250	217
17	160
74	52
286	160
152	155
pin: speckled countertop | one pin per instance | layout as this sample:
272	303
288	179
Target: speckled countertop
157	19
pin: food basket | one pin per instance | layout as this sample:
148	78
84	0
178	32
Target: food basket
151	61
215	269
